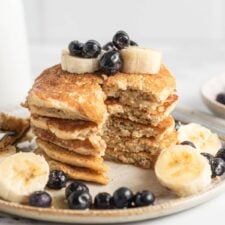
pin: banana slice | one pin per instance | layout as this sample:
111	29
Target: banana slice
183	170
203	138
141	60
73	64
21	174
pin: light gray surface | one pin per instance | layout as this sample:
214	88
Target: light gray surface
192	63
54	20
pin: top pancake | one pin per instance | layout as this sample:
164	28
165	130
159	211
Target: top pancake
154	88
68	95
57	93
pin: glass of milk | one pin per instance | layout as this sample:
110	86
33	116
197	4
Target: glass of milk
14	61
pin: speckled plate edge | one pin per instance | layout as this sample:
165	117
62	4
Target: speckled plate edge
113	216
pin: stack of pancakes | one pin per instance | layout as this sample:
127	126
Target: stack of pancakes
79	118
139	124
67	116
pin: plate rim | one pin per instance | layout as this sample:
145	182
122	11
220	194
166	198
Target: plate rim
114	215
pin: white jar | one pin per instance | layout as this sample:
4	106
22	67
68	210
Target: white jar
14	62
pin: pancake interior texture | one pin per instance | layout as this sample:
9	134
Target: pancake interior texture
79	119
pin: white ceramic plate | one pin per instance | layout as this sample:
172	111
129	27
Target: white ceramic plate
209	92
121	175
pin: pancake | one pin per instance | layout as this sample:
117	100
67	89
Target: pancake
71	158
144	116
140	89
144	160
127	128
61	94
76	115
76	173
142	152
67	129
124	144
82	147
18	126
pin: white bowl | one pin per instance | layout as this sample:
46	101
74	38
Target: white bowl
210	90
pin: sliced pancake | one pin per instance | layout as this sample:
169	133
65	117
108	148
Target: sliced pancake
126	128
17	126
124	144
141	153
144	116
60	154
76	173
67	129
144	160
61	94
140	89
83	147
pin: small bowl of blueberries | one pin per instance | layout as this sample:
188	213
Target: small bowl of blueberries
213	95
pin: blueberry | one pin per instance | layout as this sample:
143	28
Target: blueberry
91	49
75	48
218	167
79	200
144	198
110	62
177	124
121	39
188	143
217	164
221	153
74	187
221	98
57	179
103	201
40	199
122	198
109	46
133	43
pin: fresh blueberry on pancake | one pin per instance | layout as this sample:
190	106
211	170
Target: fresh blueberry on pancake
91	49
110	62
75	48
121	39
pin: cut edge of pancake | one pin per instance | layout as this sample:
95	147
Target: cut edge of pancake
63	155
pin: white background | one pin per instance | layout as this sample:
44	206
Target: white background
62	20
190	33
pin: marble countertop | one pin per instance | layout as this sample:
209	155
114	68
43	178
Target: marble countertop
192	63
